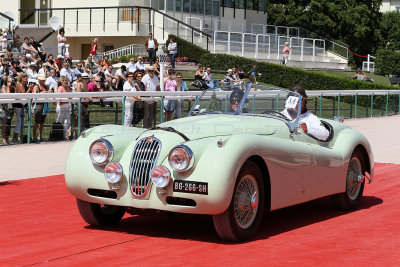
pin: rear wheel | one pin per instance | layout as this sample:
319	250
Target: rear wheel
243	216
355	181
100	215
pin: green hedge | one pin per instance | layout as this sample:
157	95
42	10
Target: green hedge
387	62
287	77
187	49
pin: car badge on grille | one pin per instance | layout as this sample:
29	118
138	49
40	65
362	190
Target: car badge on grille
150	139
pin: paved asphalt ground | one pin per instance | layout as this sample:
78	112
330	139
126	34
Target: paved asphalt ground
39	160
40	223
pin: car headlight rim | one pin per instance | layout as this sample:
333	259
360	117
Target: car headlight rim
113	172
160	176
109	150
189	156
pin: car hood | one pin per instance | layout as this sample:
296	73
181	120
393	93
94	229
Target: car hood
203	126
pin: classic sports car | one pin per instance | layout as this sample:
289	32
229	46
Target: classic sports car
233	157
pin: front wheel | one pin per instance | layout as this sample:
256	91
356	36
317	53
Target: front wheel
354	184
243	216
100	215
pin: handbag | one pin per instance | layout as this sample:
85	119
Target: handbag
138	112
5	112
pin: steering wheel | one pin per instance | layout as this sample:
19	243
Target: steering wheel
274	112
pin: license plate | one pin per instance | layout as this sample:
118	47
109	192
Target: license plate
191	187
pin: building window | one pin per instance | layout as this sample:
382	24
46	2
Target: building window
242	4
178	5
203	7
27	17
215	11
186	6
262	5
170	5
239	4
32	17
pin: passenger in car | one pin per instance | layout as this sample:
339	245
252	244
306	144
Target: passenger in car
310	123
235	98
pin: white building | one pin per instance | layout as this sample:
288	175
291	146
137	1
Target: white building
388	5
118	23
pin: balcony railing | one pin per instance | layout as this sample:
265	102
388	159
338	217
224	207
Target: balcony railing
120	19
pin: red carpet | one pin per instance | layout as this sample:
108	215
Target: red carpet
40	223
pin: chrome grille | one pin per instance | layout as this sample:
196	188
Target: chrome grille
144	159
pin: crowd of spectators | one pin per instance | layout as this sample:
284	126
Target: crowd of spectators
34	71
204	77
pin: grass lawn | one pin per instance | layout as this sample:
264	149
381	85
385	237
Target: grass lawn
348	74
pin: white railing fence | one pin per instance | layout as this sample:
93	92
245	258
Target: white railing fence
259	46
369	65
132	49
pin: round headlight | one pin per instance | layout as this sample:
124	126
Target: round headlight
101	152
160	176
181	158
113	172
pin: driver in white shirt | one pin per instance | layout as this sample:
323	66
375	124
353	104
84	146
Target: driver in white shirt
310	123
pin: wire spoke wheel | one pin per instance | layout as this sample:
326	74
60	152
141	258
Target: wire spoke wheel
353	186
243	216
349	199
246	201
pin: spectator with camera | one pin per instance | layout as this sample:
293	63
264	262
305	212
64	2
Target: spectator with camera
131	66
32	73
181	86
139	65
7	112
39	48
52	81
130	86
121	76
24	62
152	84
63	109
111	78
170	85
40	109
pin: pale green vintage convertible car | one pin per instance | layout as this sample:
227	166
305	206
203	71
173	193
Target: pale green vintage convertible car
234	157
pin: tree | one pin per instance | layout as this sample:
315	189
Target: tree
353	22
390	29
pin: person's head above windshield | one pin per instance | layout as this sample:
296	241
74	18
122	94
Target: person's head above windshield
293	111
235	98
300	90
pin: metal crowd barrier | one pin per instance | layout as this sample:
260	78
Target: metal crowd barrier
328	104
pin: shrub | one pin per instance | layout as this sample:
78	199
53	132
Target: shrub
287	77
123	59
187	49
387	62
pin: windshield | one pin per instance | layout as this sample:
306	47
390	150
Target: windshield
219	100
247	99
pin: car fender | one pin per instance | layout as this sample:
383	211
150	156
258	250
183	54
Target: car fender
218	165
347	141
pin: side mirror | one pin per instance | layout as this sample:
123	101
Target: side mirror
339	118
295	131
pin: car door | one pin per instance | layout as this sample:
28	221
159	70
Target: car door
289	162
326	174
